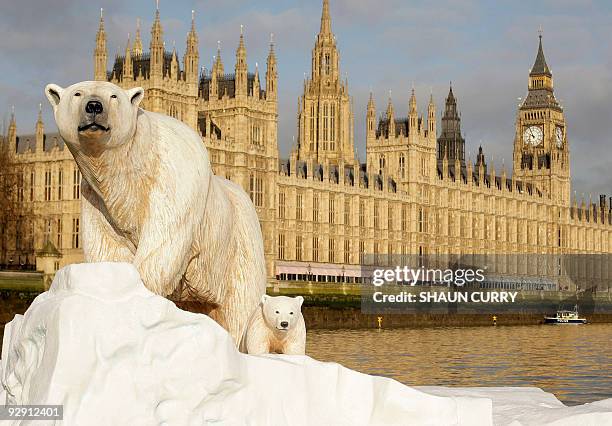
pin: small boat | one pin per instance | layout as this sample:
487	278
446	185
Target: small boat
565	317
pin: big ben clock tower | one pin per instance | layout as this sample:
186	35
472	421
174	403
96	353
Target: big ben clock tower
541	152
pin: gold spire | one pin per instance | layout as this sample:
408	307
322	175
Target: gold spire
156	29
40	127
101	35
390	106
192	36
325	19
128	69
241	51
241	46
413	102
100	53
137	48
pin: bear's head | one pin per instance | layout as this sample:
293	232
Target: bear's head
281	313
93	116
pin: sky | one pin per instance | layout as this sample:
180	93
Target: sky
386	46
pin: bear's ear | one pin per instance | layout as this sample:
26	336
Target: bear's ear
54	94
264	298
300	300
135	95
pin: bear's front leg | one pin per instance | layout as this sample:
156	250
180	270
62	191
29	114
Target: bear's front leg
257	346
295	347
166	239
100	241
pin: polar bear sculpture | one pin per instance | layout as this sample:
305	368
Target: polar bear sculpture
276	326
150	198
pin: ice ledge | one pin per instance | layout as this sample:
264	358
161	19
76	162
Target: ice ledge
113	353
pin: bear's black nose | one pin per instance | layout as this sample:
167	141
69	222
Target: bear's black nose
284	324
94	107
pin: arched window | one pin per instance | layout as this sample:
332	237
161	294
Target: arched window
327	64
325	125
173	111
332	126
313	128
402	166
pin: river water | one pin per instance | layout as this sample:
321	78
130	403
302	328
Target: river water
573	362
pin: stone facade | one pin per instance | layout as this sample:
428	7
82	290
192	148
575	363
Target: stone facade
321	210
325	113
48	182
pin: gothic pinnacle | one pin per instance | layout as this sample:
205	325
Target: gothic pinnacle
325	18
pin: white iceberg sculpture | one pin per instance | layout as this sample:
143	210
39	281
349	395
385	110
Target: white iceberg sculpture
113	353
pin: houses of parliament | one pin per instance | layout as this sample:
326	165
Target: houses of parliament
321	210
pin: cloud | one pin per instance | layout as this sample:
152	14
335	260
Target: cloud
485	48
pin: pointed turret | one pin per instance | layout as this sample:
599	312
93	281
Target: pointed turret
241	65
540	67
469	173
325	63
326	118
481	164
100	52
174	69
12	132
371	120
40	131
137	48
326	19
540	77
431	118
271	73
413	103
413	114
391	118
157	46
371	103
218	61
450	137
191	59
217	71
128	69
256	83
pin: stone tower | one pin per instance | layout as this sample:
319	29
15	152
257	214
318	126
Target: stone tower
100	53
12	134
541	151
325	114
192	57
402	149
450	143
169	88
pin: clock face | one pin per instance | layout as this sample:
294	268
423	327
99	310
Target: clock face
533	135
559	136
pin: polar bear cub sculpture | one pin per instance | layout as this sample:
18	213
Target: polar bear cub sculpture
149	197
276	326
